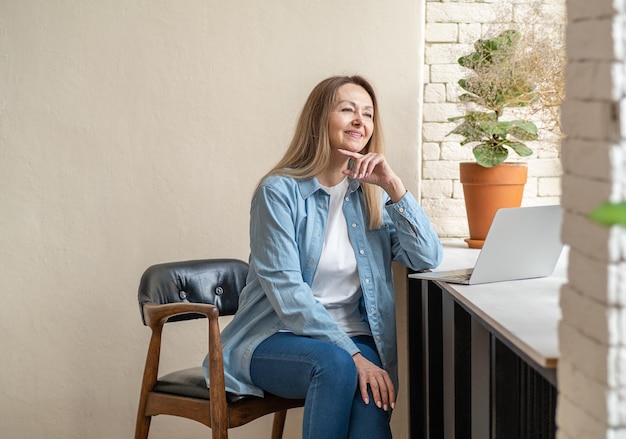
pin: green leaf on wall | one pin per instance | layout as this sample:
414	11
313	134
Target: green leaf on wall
610	214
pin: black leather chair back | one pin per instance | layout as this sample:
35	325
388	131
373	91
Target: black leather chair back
214	281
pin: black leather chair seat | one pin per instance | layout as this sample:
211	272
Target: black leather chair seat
191	383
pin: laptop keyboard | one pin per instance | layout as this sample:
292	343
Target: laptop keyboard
457	277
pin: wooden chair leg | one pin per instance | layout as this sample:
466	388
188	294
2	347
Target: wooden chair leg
142	427
279	424
217	433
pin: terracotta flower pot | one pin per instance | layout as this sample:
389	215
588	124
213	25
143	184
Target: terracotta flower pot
488	189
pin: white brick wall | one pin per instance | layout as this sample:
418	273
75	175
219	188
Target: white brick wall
451	29
591	169
592	332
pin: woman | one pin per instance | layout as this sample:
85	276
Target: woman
316	319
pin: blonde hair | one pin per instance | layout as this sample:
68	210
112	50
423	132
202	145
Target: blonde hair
309	152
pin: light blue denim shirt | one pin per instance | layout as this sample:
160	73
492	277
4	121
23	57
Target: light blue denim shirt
287	225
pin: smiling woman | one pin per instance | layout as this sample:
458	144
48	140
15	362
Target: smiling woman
317	316
351	122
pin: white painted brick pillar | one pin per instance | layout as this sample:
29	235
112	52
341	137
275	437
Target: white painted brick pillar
451	29
592	332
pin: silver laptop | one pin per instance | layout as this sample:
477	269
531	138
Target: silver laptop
522	243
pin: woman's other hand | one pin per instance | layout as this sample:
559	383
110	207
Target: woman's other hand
378	379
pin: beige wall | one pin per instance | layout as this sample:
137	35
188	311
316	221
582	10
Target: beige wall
132	132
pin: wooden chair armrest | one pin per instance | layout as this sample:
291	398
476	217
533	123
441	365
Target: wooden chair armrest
157	314
155	317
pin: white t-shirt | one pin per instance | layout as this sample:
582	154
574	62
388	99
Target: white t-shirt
336	282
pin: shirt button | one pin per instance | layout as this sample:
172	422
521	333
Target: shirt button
347	199
361	252
372	309
367	281
353	224
401	209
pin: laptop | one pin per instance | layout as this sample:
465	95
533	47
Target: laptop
522	243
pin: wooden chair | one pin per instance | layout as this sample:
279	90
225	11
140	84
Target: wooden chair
178	291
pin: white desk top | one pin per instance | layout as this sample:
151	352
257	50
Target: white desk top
525	313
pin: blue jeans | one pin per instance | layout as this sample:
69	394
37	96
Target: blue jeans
293	366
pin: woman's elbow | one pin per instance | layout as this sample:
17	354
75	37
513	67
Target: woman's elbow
432	258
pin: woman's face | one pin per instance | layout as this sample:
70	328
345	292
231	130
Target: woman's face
351	120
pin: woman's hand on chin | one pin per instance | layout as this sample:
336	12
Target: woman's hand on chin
373	168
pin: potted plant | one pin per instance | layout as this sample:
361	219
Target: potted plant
496	82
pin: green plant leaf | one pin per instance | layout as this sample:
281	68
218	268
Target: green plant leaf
520	149
610	214
472	126
472	60
499	129
463	84
490	51
470	97
470	130
488	155
523	130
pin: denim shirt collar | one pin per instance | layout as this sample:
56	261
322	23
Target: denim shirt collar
308	186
